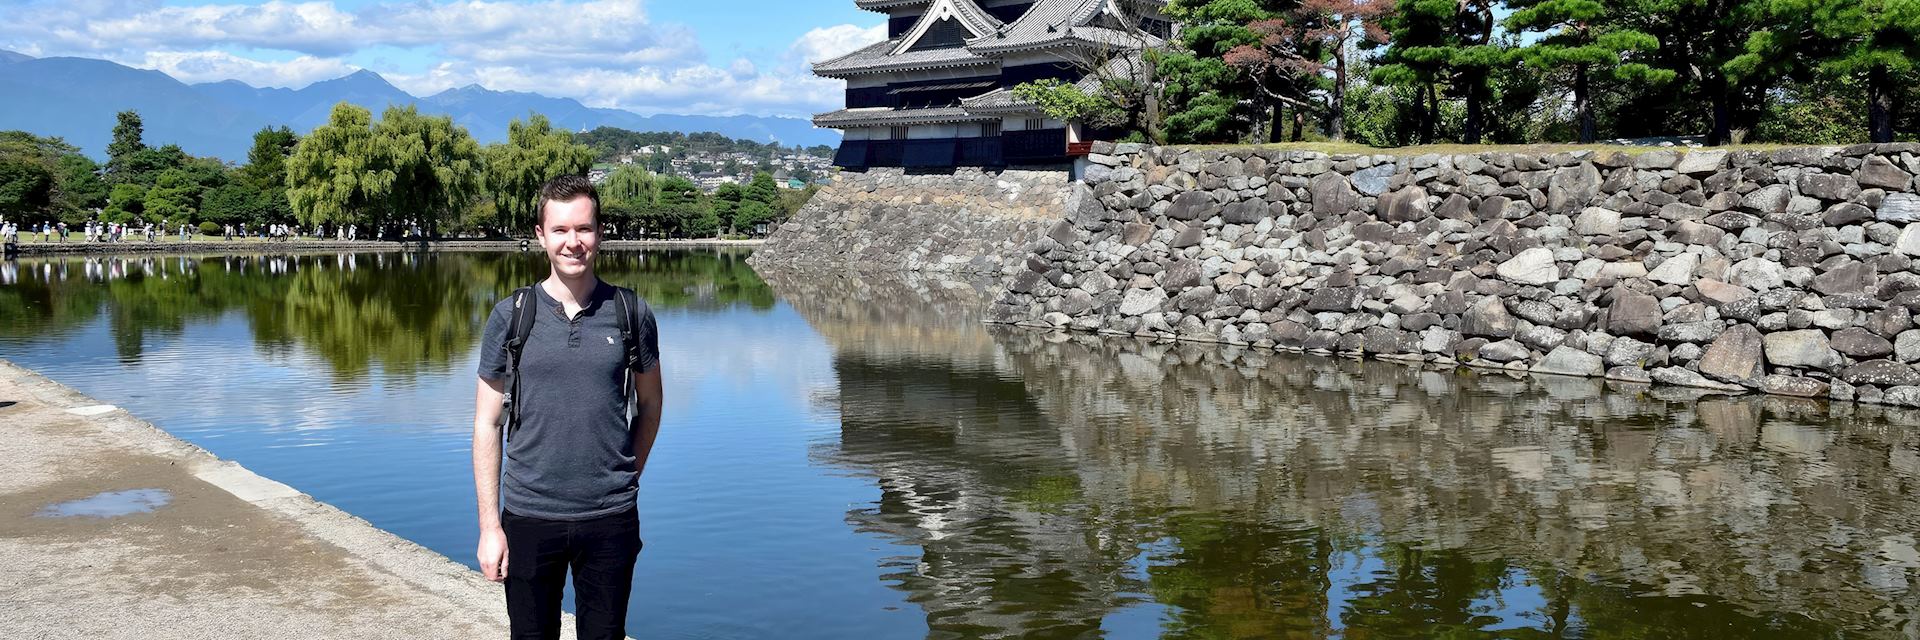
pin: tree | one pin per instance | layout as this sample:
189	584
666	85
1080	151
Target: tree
1698	39
1206	100
336	174
26	184
77	185
1873	40
127	141
34	172
436	165
726	201
125	202
266	172
750	215
534	153
1578	35
1340	25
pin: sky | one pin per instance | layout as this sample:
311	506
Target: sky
709	57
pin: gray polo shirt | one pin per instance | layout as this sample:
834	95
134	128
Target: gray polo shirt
572	456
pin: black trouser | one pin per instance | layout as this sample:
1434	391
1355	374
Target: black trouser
601	553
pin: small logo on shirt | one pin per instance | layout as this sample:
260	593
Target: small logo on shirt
609	339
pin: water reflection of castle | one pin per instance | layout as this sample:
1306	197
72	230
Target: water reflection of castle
1292	497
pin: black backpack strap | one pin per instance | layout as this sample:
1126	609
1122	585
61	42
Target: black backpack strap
624	298
524	312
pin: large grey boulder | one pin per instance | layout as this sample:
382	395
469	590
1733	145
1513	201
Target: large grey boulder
1573	187
1534	266
1876	171
1633	314
1373	180
1409	204
1899	208
1332	195
1769	199
1885	373
1699	162
1860	343
1793	386
1806	348
1193	205
1597	221
1829	186
1142	301
1676	270
1564	360
1735	356
1488	318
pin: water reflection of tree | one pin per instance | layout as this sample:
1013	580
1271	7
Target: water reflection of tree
1278	496
401	313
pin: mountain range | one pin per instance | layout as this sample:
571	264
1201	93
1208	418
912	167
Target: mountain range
77	99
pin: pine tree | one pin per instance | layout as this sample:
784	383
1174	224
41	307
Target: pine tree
1579	35
1874	40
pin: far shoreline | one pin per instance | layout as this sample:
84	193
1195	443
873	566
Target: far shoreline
255	245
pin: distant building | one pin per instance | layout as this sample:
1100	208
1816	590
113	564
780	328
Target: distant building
939	91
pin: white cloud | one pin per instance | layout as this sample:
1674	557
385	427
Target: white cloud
214	66
825	43
605	53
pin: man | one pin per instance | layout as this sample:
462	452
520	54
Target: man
575	452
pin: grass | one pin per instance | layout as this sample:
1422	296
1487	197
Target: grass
1354	148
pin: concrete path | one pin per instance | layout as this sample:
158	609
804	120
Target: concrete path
230	555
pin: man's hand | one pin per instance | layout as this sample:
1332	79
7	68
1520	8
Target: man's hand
493	554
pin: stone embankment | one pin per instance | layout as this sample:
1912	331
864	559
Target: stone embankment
971	221
1788	271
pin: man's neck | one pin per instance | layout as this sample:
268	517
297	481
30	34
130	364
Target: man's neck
575	290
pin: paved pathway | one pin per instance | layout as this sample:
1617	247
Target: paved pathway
231	555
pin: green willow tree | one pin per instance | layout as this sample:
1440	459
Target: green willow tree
534	153
436	166
1582	37
336	174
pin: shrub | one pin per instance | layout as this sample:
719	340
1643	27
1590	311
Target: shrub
208	228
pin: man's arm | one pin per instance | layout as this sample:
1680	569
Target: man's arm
646	416
492	552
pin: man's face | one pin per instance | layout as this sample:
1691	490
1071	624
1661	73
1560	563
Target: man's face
570	236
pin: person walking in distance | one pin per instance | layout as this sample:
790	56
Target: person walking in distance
576	361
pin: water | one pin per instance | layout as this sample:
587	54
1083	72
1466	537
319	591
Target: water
110	504
847	458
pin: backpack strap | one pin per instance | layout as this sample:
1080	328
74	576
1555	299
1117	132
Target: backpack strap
624	298
524	313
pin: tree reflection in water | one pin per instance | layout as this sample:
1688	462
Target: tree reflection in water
404	313
1052	482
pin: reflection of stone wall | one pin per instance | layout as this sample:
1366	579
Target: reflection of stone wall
1755	500
1030	468
1789	272
885	220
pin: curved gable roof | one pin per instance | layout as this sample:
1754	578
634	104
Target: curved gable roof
970	16
1051	22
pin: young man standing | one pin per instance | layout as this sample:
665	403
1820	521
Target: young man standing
575	452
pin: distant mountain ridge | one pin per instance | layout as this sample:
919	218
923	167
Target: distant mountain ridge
76	99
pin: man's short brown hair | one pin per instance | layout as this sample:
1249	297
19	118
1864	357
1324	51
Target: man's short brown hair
565	189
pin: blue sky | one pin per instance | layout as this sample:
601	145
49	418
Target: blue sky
718	57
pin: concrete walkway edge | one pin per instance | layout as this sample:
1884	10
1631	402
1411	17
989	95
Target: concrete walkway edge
416	566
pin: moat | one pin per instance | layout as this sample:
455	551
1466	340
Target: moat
846	457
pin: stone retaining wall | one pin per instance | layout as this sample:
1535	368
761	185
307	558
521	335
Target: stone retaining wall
968	221
1788	271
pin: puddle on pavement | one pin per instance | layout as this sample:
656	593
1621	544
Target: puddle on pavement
110	504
